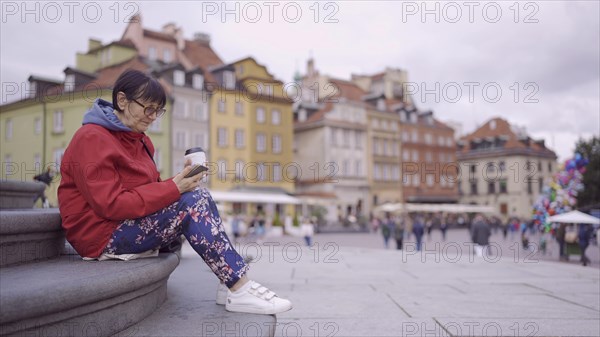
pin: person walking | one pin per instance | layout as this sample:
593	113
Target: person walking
418	231
307	230
480	234
584	236
387	229
561	232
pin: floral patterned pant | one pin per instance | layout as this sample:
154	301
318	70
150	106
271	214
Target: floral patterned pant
195	216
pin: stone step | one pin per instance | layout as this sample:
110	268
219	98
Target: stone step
29	235
190	309
19	194
67	296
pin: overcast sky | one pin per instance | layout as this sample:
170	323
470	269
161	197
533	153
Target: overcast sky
550	49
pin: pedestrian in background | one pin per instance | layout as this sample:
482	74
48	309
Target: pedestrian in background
444	226
584	236
418	230
399	231
307	230
387	228
480	234
560	238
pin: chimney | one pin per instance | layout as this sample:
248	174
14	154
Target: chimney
93	44
202	38
169	28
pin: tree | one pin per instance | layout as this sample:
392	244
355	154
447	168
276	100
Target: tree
590	150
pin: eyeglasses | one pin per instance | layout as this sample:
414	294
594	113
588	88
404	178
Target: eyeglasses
149	111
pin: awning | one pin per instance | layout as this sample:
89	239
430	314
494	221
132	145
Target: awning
574	217
446	208
254	197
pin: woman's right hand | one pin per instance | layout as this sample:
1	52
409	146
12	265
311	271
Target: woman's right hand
187	184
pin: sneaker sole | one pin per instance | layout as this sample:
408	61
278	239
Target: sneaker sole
250	310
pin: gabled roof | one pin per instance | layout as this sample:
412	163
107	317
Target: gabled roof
347	89
202	55
159	36
499	127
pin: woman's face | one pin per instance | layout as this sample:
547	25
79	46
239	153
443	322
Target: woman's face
133	114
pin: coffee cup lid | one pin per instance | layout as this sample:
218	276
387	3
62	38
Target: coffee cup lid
193	150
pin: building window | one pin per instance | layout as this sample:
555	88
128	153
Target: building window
346	135
261	172
166	55
221	169
200	112
180	138
239	138
541	181
429	180
37	161
503	186
180	108
377	172
358	140
58	121
152	53
8	129
550	167
415	156
346	168
58	155
415	136
221	106
276	144
222	137
540	166
260	115
413	118
37	129
333	136
491	187
405	136
530	186
473	187
358	168
405	155
276	172
179	78
197	81
200	140
229	80
416	180
275	117
261	142
403	117
428	139
239	108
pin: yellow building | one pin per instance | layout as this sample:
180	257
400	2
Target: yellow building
251	125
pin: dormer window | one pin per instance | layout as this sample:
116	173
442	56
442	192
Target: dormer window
302	115
403	117
380	104
197	81
413	118
69	82
229	80
179	78
429	120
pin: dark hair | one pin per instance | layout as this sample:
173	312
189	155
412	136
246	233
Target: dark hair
137	85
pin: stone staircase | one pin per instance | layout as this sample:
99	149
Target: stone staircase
47	289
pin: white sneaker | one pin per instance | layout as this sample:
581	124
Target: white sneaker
253	298
222	292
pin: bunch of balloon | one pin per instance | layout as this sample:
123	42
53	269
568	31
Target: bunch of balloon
560	195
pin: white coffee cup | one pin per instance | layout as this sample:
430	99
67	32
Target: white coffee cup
196	155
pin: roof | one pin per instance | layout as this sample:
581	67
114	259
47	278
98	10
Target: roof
123	43
202	55
159	36
497	127
107	76
347	90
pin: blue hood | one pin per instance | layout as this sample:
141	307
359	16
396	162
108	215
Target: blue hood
101	113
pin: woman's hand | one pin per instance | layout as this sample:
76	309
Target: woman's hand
187	184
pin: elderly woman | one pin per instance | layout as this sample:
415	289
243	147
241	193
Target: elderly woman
114	204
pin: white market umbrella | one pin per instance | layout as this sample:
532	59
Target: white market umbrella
575	217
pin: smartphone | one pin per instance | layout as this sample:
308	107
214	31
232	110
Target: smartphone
196	169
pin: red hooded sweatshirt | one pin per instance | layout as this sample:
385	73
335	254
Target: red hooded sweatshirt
107	177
